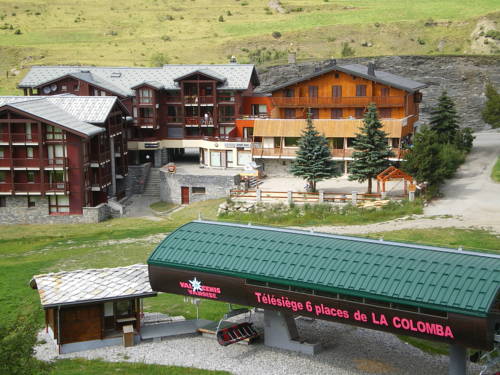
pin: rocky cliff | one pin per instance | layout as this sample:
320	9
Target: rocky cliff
464	77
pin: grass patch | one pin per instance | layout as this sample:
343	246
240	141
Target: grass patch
495	173
97	367
161	206
325	214
431	347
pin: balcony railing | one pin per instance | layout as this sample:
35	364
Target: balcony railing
175	119
24	138
193	99
226	98
100	157
174	99
6	187
224	119
258	152
30	187
115	128
34	163
201	121
144	121
56	187
4	137
254	117
343	101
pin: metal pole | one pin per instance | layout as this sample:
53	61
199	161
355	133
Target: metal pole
458	360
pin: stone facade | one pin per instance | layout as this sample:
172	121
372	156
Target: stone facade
274	167
16	211
215	185
137	178
463	77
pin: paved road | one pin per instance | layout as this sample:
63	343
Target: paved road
471	194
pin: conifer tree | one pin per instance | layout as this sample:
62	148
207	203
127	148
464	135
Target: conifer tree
313	160
423	161
491	110
444	119
371	149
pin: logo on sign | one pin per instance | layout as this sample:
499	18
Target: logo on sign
196	288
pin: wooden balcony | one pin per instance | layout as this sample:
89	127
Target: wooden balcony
57	162
148	122
6	187
175	120
290	152
226	98
227	119
174	99
27	187
56	187
193	99
340	102
100	157
24	138
4	137
198	121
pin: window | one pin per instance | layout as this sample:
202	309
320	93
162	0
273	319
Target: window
291	141
54	133
336	75
350	142
3	176
64	88
3	202
313	91
2	152
123	308
30	176
395	142
337	113
29	152
360	90
226	113
259	109
337	91
277	142
337	143
58	204
359	112
384	112
31	201
229	156
247	132
145	96
244	157
198	190
103	93
215	159
76	87
289	112
314	113
384	91
288	93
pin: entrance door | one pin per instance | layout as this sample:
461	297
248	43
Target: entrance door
184	194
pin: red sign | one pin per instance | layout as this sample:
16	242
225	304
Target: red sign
195	288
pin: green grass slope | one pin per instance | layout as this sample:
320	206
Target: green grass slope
129	32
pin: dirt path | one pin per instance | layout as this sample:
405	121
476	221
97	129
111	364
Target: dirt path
472	199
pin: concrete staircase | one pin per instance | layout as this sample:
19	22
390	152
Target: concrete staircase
152	188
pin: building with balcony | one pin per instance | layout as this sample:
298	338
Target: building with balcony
59	155
220	110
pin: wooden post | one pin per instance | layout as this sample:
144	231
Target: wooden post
258	195
290	197
354	197
321	197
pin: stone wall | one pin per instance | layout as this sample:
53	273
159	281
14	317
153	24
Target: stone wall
464	77
216	186
137	178
275	168
18	212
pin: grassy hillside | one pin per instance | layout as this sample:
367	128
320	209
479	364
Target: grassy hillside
129	32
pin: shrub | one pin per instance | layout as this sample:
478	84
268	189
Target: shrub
421	41
347	50
331	39
276	34
221	19
165	38
17	32
451	158
494	34
158	59
229	14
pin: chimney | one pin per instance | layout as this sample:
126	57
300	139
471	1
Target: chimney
232	60
371	69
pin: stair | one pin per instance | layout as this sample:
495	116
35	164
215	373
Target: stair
152	188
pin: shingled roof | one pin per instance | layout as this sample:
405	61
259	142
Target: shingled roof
358	70
122	80
424	276
92	285
75	113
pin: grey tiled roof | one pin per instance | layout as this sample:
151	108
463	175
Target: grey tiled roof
76	113
91	285
205	71
359	70
121	79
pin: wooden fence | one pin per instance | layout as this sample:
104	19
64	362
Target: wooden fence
258	195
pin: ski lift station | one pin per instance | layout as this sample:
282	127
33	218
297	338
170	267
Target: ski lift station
438	294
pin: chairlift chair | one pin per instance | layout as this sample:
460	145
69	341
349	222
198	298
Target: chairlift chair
237	332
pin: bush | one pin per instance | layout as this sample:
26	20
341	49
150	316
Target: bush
159	59
18	32
221	19
347	50
229	14
165	38
276	34
450	159
16	348
494	34
464	139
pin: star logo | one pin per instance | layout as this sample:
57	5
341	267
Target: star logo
195	284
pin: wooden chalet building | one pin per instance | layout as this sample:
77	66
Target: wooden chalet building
59	155
220	110
87	309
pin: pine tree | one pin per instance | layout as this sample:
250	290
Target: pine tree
444	119
491	110
313	161
371	150
423	161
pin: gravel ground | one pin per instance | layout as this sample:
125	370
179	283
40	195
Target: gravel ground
347	351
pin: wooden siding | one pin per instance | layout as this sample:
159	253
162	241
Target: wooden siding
330	128
81	323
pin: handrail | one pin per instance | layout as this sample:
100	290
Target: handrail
348	101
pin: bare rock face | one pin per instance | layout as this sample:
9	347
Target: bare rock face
463	77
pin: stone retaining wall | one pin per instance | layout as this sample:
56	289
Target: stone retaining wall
137	177
17	211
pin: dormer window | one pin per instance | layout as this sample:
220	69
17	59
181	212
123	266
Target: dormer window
145	96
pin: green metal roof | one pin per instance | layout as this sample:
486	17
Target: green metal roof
437	278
